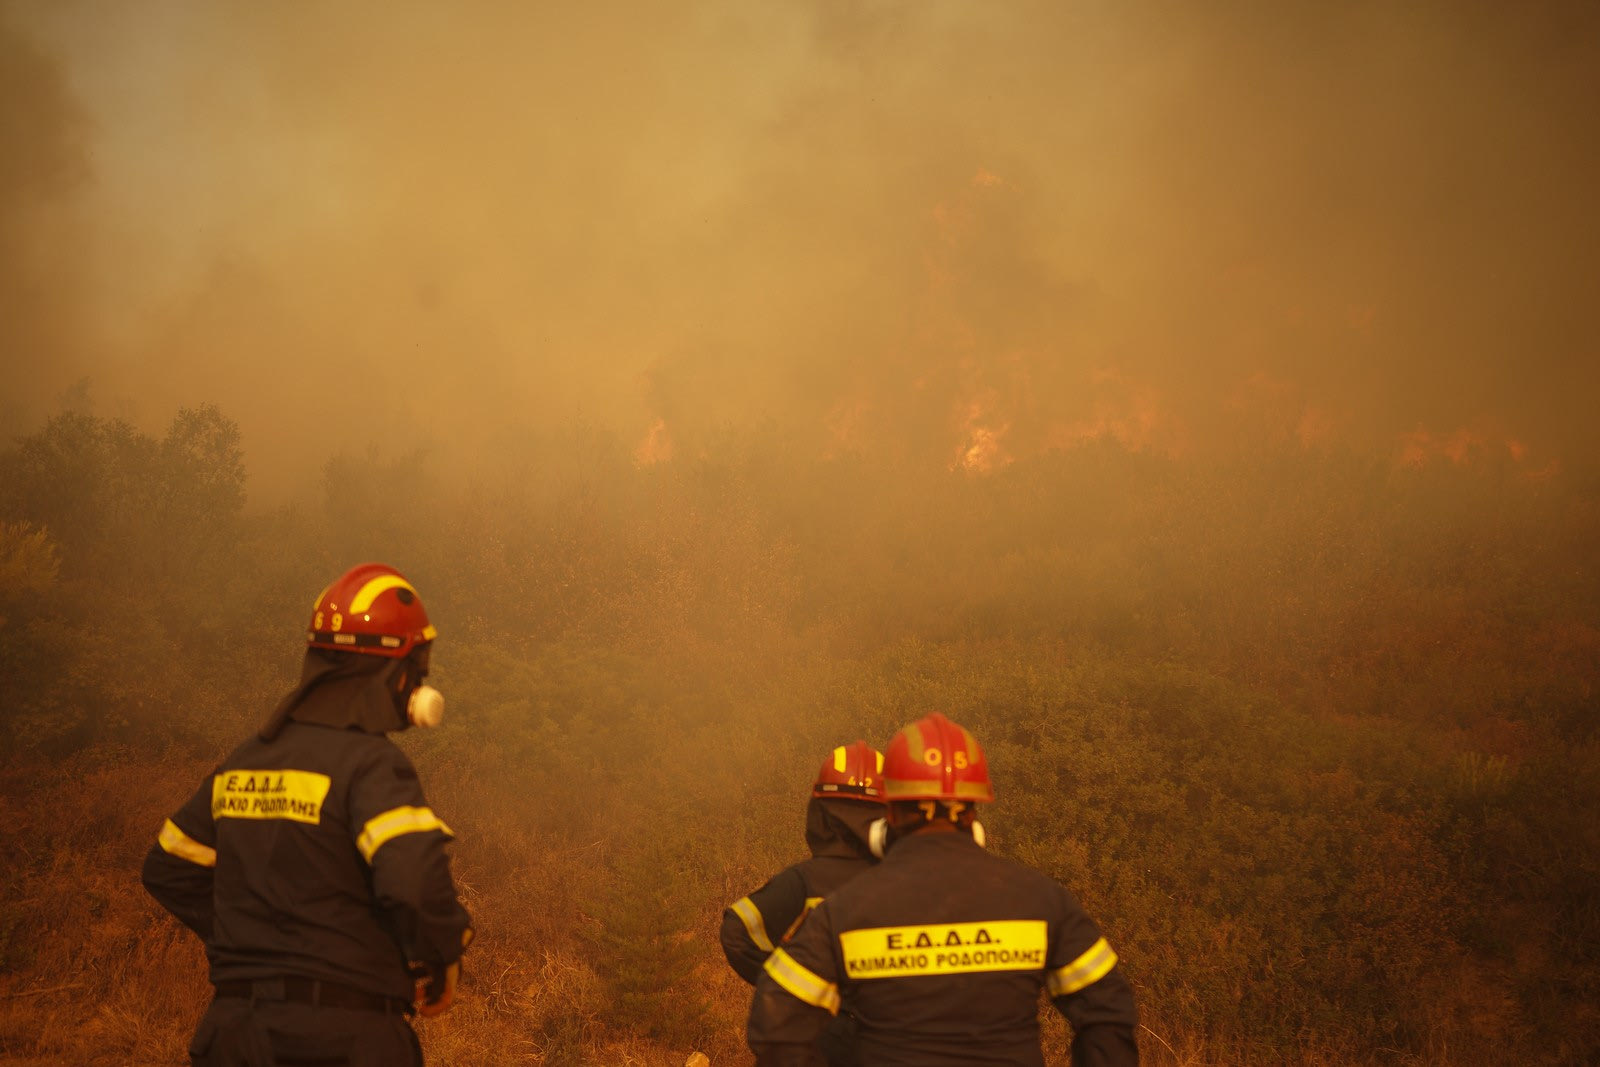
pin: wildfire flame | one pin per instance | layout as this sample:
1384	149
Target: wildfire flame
656	446
1008	394
981	450
1127	413
1464	446
1419	446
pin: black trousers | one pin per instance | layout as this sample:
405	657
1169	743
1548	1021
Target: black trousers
238	1032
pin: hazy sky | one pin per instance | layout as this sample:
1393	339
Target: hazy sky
970	229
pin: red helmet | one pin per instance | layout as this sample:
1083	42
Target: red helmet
372	609
854	771
934	759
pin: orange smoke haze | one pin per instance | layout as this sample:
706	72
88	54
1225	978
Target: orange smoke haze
962	233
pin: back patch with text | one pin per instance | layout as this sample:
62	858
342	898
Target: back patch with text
296	795
945	948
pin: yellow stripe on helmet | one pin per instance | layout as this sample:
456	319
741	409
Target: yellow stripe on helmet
918	788
914	743
369	592
971	744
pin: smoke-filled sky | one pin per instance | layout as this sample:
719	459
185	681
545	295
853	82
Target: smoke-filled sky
972	231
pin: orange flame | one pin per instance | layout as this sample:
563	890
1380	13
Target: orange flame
1466	447
1129	414
1420	446
656	446
981	450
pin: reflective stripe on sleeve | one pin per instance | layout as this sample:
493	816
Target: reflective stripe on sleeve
381	829
181	845
750	915
1084	971
803	984
811	902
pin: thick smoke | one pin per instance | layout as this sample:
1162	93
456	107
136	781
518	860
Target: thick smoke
959	233
42	165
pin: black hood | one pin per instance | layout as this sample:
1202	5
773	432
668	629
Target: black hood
839	827
347	691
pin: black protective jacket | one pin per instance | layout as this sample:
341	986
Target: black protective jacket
753	925
312	854
939	952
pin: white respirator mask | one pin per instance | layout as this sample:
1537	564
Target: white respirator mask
426	706
878	837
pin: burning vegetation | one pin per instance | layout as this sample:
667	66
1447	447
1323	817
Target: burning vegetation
1195	402
1311	729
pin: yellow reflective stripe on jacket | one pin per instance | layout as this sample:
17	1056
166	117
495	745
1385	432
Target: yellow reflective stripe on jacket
381	829
750	915
1084	971
181	845
803	984
811	902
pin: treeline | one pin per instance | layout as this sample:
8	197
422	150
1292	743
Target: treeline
1313	735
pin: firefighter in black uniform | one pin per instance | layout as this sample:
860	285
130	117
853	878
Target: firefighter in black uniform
846	799
940	950
309	862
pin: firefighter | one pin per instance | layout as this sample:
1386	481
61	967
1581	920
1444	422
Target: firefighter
940	950
846	800
309	861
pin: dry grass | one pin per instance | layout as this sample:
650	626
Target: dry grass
93	974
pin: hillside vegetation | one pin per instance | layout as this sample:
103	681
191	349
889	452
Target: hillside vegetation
1313	735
